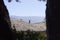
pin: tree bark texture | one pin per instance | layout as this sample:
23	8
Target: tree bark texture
53	19
5	25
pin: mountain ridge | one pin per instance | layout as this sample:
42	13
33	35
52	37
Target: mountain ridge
33	19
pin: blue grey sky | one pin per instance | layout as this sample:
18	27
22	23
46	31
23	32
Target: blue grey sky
26	8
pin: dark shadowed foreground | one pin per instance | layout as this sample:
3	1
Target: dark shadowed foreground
53	19
5	30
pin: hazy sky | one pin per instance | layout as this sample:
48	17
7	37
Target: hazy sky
26	8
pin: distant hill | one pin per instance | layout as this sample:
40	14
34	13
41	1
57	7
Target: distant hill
23	25
33	19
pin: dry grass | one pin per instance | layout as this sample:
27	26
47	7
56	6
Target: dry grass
23	26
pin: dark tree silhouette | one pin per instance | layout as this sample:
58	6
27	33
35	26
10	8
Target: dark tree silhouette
53	19
5	25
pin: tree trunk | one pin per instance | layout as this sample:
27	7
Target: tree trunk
53	19
5	25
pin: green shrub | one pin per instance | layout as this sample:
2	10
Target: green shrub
29	35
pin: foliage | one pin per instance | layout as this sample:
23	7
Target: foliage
28	35
11	0
41	0
19	0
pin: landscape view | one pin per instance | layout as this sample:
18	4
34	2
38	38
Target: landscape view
29	23
30	28
27	19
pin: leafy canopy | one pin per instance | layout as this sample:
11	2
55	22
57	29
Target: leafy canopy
19	0
11	0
